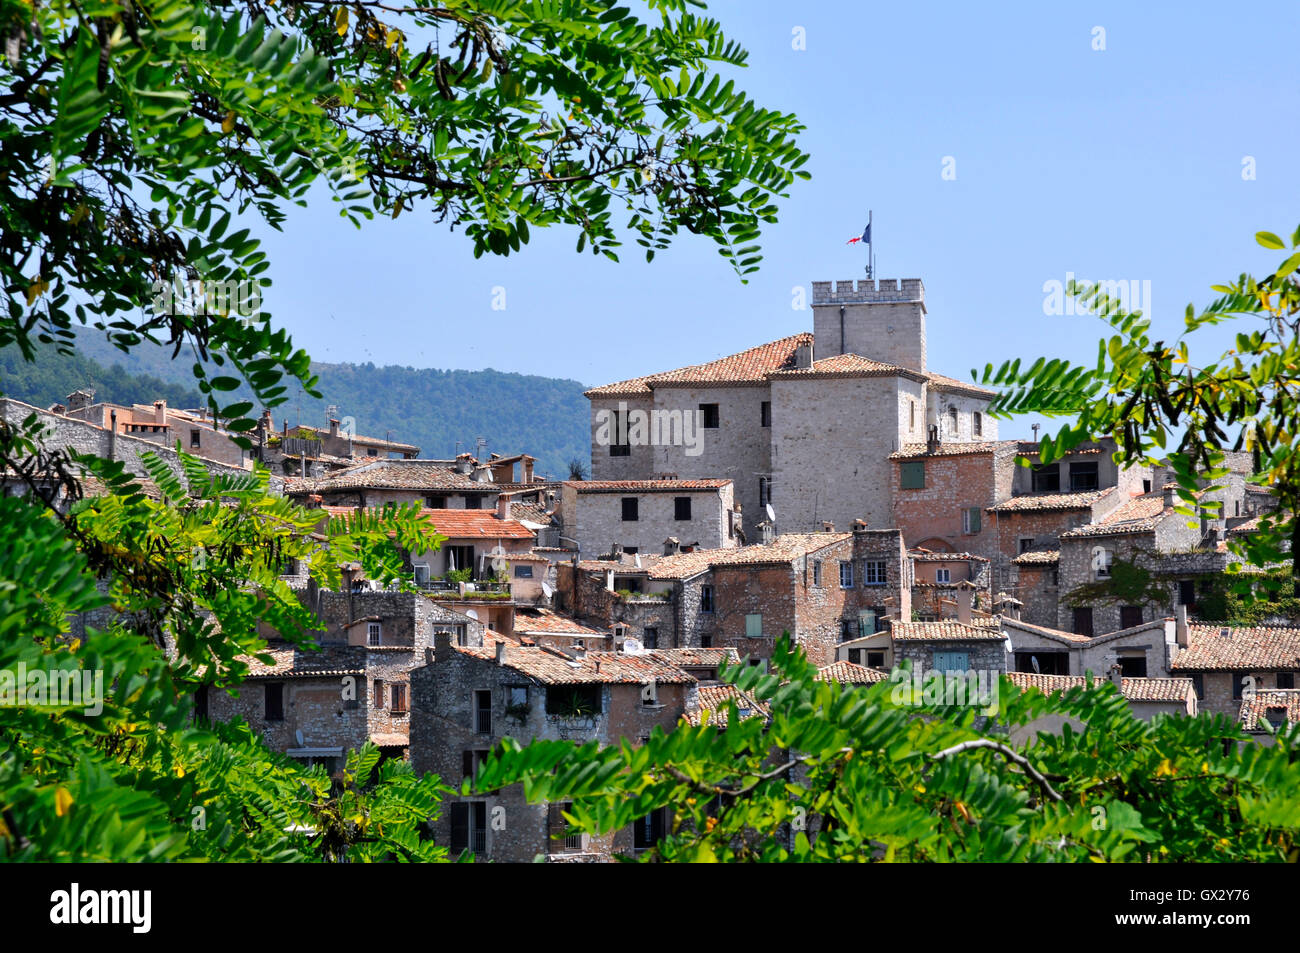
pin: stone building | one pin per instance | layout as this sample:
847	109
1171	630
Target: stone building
157	423
1147	697
438	484
1267	713
1143	651
1143	532
639	516
937	577
467	699
806	423
1229	664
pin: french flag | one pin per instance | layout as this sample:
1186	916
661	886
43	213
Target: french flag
864	237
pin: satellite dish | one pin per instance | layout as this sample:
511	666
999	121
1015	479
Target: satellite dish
298	737
771	513
1034	661
632	647
472	613
497	550
498	564
547	590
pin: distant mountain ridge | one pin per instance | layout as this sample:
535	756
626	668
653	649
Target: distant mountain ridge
440	411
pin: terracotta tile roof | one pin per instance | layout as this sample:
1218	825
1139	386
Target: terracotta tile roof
459	524
390	739
846	673
1038	557
930	556
952	385
541	621
1059	634
697	657
947	630
645	486
747	367
1250	526
1138	515
1029	447
552	667
1051	501
713	699
364	441
785	548
847	365
1267	702
532	513
291	661
910	450
1216	648
393	475
684	565
1135	689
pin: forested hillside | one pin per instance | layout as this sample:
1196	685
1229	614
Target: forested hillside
437	410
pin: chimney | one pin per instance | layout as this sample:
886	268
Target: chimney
859	526
965	596
501	653
503	507
1180	626
442	645
828	526
160	412
81	398
803	356
465	463
1009	606
609	580
932	439
334	427
527	470
1117	676
616	550
1171	495
672	546
766	528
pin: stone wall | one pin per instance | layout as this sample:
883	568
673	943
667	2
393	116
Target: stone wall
596	521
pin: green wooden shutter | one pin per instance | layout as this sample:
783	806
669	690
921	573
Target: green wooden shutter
911	475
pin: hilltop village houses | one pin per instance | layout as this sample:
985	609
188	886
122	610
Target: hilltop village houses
828	485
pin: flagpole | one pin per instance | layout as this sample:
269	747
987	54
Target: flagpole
871	248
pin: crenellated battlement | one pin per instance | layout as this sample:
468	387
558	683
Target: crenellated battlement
848	291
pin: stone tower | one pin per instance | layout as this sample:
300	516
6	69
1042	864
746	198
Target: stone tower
884	321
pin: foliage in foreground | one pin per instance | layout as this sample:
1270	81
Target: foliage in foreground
1143	390
172	592
856	773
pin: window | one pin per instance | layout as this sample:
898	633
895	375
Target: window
523	572
194	438
1102	559
970	520
631	551
764	491
1083	476
617	449
1146	486
817	572
573	700
518	695
911	415
977	424
374	633
710	414
848	630
1187	592
1133	666
473	502
868	622
754	625
571	842
399	699
681	507
629	509
1276	716
1198	683
649	830
650	637
943	575
706	598
1130	616
436	501
765	414
952	420
620	450
951	661
469	827
873	572
875	659
1043	663
471	759
275	701
379	694
911	475
483	712
372	452
1046	477
1026	543
1083	622
846	575
1239	684
1286	680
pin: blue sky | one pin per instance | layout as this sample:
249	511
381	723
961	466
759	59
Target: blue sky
1124	163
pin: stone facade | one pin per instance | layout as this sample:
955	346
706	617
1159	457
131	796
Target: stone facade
594	516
